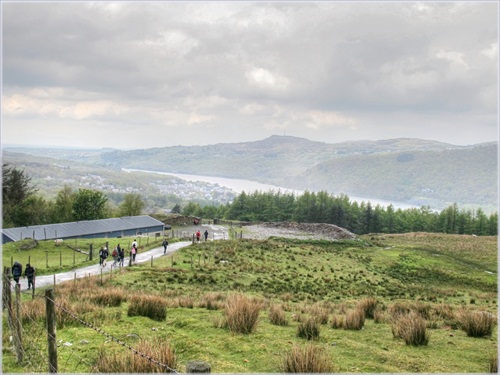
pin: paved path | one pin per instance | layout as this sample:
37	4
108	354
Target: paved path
95	269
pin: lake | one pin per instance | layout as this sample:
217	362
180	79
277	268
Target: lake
248	186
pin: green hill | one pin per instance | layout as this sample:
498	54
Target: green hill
185	299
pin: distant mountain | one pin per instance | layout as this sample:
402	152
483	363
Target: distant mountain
404	169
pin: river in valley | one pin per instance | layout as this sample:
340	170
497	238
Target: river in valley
248	186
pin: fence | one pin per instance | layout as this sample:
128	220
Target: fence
34	341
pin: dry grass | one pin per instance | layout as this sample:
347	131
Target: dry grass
368	305
306	359
477	323
337	321
355	319
309	329
153	307
277	315
412	328
242	313
129	362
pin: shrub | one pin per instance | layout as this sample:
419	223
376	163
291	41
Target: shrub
412	328
126	362
309	329
242	314
306	359
477	323
368	305
379	315
153	307
355	319
277	315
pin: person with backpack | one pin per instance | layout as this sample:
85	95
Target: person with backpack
114	254
103	255
29	272
165	244
121	254
17	271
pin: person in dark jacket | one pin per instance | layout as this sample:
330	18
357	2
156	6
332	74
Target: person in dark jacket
29	272
17	271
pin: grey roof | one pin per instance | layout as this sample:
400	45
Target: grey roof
81	228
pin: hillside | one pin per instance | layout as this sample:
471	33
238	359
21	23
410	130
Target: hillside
185	298
437	178
413	171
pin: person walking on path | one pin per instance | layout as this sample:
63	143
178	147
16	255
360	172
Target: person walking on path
17	271
206	235
165	244
121	254
198	235
103	255
133	252
29	272
115	256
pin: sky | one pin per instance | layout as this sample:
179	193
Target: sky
133	75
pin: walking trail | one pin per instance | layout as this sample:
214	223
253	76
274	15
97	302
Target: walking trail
218	232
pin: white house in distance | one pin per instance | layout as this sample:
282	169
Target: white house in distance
104	228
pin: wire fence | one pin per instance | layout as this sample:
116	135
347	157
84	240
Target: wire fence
27	335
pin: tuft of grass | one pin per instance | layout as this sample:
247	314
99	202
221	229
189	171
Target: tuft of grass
277	315
412	328
242	313
309	329
306	359
153	307
494	365
355	319
477	323
126	362
368	305
337	321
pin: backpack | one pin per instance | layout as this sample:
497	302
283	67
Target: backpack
115	253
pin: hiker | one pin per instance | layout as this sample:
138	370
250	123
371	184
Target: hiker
206	234
114	254
17	271
165	244
103	255
121	254
29	272
134	243
133	252
198	235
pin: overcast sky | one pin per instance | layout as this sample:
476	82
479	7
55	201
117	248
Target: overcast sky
140	74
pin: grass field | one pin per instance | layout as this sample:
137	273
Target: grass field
285	286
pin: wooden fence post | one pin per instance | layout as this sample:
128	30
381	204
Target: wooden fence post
46	259
90	252
18	339
51	330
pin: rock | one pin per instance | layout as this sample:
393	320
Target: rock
197	366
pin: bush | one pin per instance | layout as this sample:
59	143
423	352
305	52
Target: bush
412	328
355	319
127	362
477	323
149	306
306	359
242	314
277	315
309	329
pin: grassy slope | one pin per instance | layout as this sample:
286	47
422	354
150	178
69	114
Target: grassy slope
434	269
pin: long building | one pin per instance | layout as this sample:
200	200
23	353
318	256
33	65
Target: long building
104	228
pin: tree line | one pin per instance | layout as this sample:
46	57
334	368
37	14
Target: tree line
23	207
359	218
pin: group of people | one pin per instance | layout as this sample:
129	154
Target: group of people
198	235
29	273
118	254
